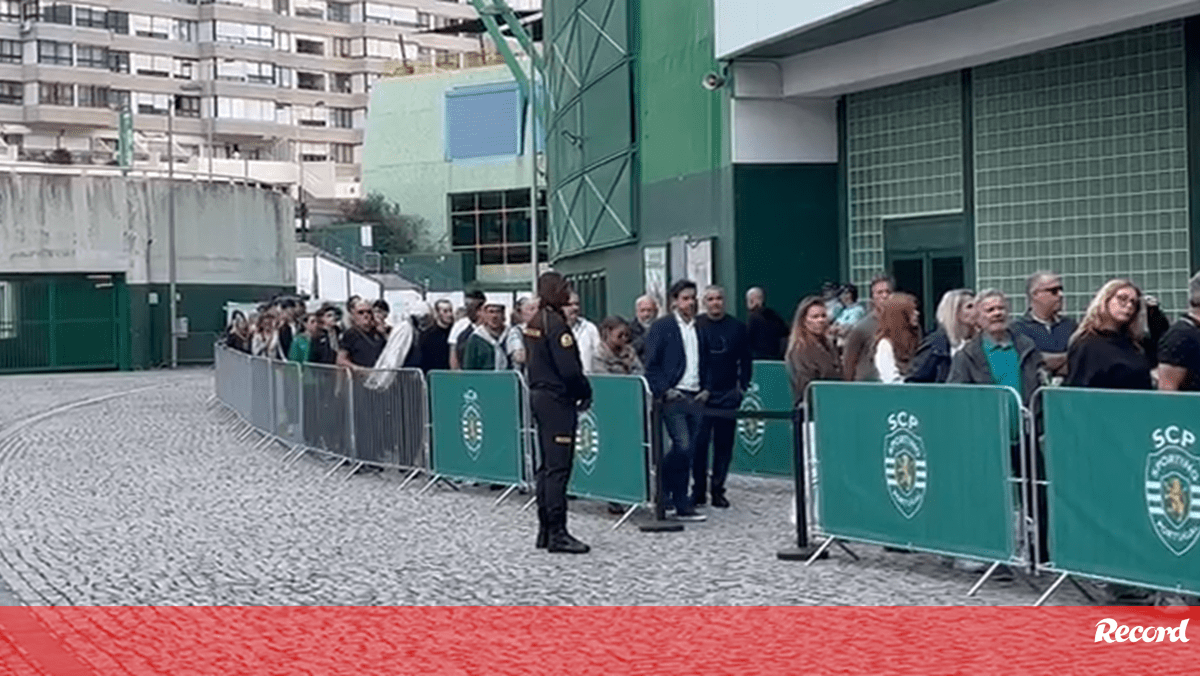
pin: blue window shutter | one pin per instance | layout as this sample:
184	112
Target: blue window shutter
483	121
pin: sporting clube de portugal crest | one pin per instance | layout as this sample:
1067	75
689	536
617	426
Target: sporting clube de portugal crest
904	466
472	424
1173	488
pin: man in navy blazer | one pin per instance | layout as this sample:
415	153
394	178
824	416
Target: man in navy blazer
677	374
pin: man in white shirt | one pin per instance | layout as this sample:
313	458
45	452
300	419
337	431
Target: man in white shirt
587	336
676	357
464	327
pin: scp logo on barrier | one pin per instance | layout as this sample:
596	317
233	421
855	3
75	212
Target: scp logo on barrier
752	430
587	442
1173	488
472	424
904	465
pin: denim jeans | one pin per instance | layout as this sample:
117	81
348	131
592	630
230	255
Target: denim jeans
682	421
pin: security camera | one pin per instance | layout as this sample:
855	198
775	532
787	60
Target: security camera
712	82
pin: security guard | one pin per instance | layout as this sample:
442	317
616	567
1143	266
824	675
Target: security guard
558	391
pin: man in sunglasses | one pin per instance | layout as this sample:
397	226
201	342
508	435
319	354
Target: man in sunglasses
1044	323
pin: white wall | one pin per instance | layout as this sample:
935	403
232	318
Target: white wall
743	23
992	32
784	131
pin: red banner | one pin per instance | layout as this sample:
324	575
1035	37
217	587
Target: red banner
522	640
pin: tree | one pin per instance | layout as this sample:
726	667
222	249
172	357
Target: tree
393	231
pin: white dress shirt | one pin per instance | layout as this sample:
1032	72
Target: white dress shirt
587	337
885	362
691	352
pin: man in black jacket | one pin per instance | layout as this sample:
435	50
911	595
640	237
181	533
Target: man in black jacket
729	370
676	356
433	345
766	330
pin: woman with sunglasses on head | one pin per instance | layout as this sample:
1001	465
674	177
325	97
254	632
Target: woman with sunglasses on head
1107	350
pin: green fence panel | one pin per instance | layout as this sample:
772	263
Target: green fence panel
477	431
919	466
610	443
1124	485
765	447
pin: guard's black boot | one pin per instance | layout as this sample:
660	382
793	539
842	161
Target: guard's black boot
543	538
561	542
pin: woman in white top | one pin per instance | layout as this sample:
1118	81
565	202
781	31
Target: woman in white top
897	338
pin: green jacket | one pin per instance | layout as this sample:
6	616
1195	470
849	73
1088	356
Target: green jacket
481	355
301	349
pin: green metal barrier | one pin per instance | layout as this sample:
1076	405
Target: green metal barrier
477	430
925	467
764	447
1123	488
611	443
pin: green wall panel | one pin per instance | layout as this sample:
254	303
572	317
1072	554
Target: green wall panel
787	234
1081	166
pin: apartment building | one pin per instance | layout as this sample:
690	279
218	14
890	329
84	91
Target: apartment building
269	89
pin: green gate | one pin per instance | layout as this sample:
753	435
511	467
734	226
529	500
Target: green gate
765	447
63	323
592	156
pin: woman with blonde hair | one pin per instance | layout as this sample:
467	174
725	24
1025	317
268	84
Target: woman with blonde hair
898	336
810	356
957	324
1106	350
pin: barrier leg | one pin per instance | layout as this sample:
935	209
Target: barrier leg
820	550
436	478
1086	594
804	550
988	573
660	523
625	517
845	548
1053	588
336	465
528	504
408	479
357	466
507	492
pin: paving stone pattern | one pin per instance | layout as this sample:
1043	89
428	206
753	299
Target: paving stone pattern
150	499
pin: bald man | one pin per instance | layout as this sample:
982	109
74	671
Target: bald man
767	331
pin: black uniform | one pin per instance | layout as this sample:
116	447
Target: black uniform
557	388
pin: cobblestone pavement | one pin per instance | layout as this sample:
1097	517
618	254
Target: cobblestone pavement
147	498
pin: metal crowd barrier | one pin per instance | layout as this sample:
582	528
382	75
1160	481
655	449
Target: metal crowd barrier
378	419
941	469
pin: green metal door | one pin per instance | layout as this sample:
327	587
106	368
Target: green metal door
592	145
60	322
928	256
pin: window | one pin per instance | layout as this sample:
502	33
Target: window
57	14
183	30
245	109
483	121
94	96
152	65
343	153
185	69
8	310
56	94
310	46
309	9
246	71
146	103
158	27
10	51
339	11
592	290
343	47
312	116
117	22
187	106
12	93
91	17
258	35
383	49
310	81
375	12
495	226
54	53
118	61
343	118
90	56
342	84
10	11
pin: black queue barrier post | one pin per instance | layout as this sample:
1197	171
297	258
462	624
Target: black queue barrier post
660	523
803	551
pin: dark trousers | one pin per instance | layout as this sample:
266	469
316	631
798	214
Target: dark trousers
682	420
720	431
556	421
